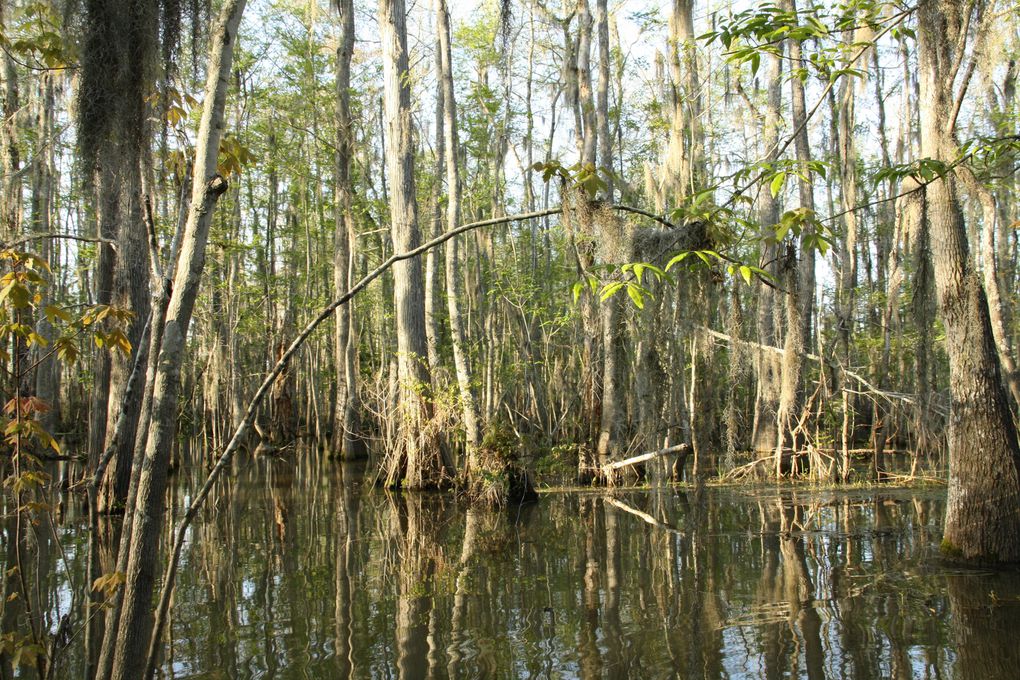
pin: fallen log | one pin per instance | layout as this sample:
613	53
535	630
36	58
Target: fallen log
865	451
612	467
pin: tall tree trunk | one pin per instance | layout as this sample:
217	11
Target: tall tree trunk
684	160
346	425
612	312
847	266
763	437
432	287
135	651
983	507
801	286
468	401
10	159
118	55
578	68
418	460
802	149
47	378
585	97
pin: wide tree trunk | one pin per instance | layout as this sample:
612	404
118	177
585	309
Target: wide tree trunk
132	656
983	508
118	56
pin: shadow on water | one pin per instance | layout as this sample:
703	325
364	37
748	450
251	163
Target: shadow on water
296	570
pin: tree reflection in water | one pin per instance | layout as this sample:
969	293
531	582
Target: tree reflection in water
296	569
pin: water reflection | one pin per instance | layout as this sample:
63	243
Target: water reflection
295	571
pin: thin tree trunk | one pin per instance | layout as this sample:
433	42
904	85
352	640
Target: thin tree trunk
611	310
10	159
802	149
417	461
47	377
800	298
468	402
847	283
346	425
763	436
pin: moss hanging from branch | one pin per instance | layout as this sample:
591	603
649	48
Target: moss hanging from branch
122	45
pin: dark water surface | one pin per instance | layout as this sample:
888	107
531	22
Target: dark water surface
296	571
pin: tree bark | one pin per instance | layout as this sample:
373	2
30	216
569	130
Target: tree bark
10	159
47	377
432	287
763	436
983	507
611	310
135	652
346	425
117	57
802	149
684	160
799	276
990	279
418	461
468	401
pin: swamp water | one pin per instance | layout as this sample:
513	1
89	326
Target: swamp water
294	570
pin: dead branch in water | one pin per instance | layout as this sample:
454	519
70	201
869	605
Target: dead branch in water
610	472
679	448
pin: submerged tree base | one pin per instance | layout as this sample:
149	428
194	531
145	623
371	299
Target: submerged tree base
496	477
501	487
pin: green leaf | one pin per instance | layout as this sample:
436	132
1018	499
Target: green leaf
636	297
777	184
677	259
609	290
